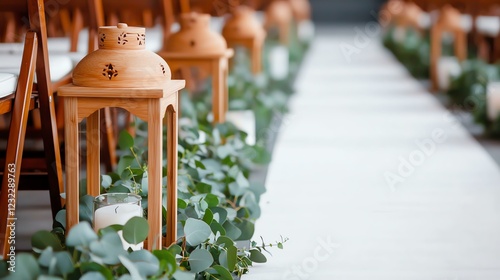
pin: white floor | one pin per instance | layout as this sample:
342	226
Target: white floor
350	125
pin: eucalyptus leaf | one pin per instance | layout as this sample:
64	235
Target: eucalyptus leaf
231	214
200	164
43	239
232	231
242	181
211	164
208	217
119	188
175	249
225	241
233	172
167	260
247	229
196	231
93	275
145	261
232	257
221	212
217	228
125	140
181	203
199	260
145	184
211	200
111	228
48	277
64	263
223	272
131	267
224	151
107	249
86	209
95	267
124	162
257	256
61	217
81	235
106	181
184	275
46	256
4	269
223	258
203	188
235	189
136	230
26	267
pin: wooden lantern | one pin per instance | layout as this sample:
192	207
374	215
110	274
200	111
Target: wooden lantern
122	73
301	10
195	45
279	15
449	21
410	17
243	29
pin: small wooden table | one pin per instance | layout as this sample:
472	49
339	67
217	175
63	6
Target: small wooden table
149	104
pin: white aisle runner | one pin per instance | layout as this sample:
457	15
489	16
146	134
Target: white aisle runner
351	125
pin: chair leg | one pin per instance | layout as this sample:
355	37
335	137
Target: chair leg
15	143
47	110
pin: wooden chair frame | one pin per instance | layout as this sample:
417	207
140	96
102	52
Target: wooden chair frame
47	111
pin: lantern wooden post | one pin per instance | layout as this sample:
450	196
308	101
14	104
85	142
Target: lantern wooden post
124	74
243	29
279	15
195	45
448	21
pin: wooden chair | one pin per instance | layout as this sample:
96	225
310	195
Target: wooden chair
49	130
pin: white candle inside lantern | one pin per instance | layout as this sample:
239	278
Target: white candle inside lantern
493	100
117	209
305	31
447	68
244	120
278	62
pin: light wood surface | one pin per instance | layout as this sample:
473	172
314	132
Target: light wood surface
243	29
150	105
216	66
15	142
93	154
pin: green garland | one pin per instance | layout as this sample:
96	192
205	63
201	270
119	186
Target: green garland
217	203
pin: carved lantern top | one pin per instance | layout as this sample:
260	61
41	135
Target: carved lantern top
450	18
278	13
121	61
243	24
195	37
410	16
301	10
